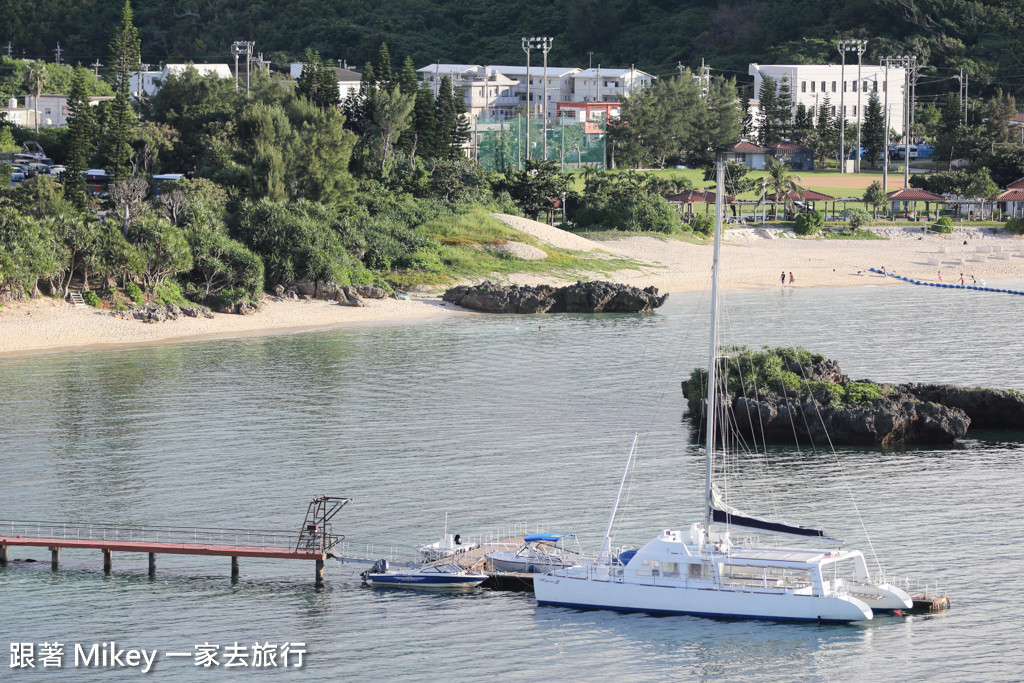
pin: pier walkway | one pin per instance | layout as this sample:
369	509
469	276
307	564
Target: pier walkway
313	542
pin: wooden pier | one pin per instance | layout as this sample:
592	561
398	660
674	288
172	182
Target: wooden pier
312	543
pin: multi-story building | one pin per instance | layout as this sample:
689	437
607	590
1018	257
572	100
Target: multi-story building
811	83
608	85
500	92
49	110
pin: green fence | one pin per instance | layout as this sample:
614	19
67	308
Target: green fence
502	144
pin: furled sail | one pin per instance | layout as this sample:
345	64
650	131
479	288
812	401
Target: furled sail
723	513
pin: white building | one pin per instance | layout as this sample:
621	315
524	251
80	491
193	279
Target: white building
608	85
51	110
811	83
560	85
152	81
489	93
498	92
348	80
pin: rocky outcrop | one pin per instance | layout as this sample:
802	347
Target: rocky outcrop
152	313
327	291
896	419
901	414
582	297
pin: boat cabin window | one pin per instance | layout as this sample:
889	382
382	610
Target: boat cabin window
670	569
649	568
698	571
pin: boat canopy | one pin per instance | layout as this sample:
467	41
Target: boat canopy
551	538
723	513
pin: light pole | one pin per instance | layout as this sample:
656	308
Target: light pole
884	61
543	44
841	44
845	46
527	44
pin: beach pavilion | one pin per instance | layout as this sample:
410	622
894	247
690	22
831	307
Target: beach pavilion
807	196
1012	198
691	197
912	194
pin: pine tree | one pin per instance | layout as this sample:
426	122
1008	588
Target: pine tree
369	80
424	125
407	78
124	50
444	112
784	108
307	84
461	132
767	130
328	96
382	67
81	137
825	130
873	129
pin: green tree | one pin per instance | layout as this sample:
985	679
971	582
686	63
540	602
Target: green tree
716	123
424	127
36	77
390	111
998	111
164	249
27	253
873	130
826	131
532	187
81	138
223	271
782	181
875	198
124	48
768	127
784	108
382	67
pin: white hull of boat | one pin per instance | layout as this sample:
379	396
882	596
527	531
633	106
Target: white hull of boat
519	564
552	589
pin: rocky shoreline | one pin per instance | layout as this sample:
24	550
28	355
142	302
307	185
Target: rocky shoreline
582	297
906	414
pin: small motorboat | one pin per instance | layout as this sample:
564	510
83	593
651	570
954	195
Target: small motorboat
450	545
539	553
434	575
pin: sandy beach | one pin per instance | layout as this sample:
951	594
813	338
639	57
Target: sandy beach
751	259
53	325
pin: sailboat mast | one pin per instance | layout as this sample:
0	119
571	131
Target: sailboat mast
709	448
606	546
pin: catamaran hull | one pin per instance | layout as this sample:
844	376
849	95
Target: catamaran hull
520	565
596	594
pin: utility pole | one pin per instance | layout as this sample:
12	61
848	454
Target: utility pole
527	44
58	53
238	48
590	55
10	49
96	67
860	108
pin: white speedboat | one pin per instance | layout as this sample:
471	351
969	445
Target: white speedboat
539	553
435	575
701	571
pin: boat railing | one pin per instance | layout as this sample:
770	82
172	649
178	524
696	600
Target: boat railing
913	586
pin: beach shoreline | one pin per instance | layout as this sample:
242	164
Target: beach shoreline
751	259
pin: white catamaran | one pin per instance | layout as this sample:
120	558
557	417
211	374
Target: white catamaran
700	571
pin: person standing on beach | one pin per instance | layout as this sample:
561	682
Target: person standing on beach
791	278
961	279
783	278
940	276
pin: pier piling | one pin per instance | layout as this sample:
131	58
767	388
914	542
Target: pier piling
319	581
54	558
234	567
152	565
107	561
3	555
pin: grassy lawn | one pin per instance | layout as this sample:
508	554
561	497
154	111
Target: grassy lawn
463	254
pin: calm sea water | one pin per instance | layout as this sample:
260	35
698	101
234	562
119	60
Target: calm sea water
497	420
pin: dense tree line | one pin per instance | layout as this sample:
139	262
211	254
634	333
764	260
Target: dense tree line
982	37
